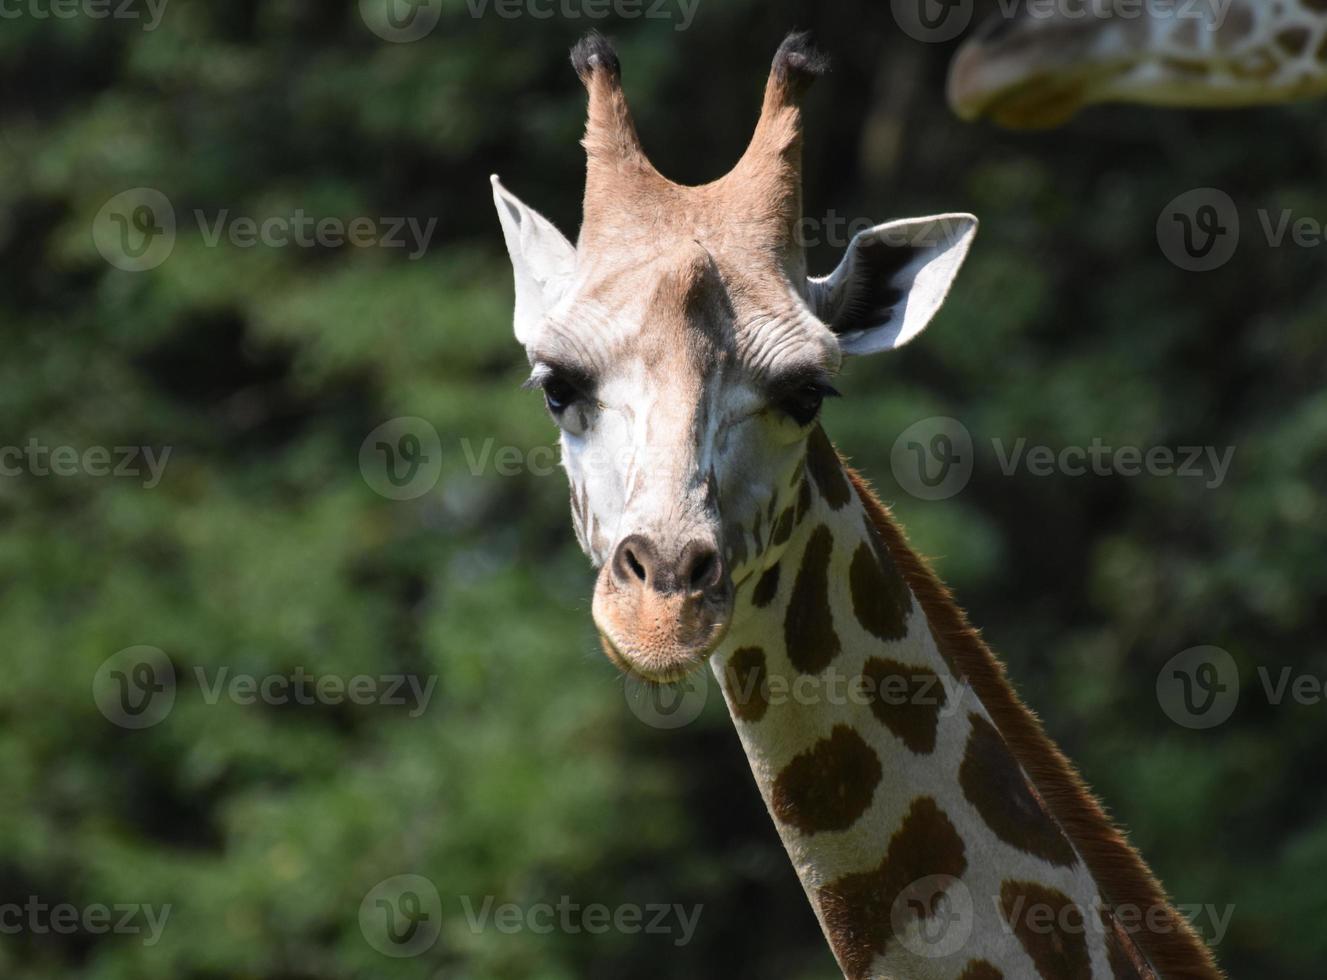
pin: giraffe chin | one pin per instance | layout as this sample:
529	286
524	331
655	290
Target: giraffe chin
658	638
1004	88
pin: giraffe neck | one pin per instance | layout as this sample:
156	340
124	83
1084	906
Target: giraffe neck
1220	53
1039	68
937	832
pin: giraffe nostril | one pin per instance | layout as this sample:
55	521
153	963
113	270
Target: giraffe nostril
633	563
700	567
700	571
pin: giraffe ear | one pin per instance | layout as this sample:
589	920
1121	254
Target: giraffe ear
542	261
891	281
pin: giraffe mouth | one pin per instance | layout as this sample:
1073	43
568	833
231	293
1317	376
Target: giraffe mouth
659	638
996	79
1037	102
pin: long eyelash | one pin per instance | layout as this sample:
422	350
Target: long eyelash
796	383
544	372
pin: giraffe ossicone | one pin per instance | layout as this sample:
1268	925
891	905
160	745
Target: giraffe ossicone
684	354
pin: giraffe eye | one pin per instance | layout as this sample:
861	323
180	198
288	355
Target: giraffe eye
563	386
559	394
802	404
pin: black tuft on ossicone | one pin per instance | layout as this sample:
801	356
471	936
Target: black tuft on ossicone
798	60
592	52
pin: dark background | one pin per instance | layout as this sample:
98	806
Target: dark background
265	549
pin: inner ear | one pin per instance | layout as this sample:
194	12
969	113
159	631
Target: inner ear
892	281
874	286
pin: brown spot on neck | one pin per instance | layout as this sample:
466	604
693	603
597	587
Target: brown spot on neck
767	587
906	700
803	499
995	785
981	970
860	910
828	787
808	626
1126	962
880	597
827	470
1050	927
1293	40
747	680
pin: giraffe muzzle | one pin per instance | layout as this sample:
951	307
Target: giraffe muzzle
662	610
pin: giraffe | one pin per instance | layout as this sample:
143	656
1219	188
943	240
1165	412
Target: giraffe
684	354
1037	64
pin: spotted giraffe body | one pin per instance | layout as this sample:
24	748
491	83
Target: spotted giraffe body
1039	64
685	354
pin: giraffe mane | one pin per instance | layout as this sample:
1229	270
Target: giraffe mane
1120	871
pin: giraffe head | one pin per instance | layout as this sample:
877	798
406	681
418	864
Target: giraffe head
684	353
1037	64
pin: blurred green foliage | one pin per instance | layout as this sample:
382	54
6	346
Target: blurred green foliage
264	550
